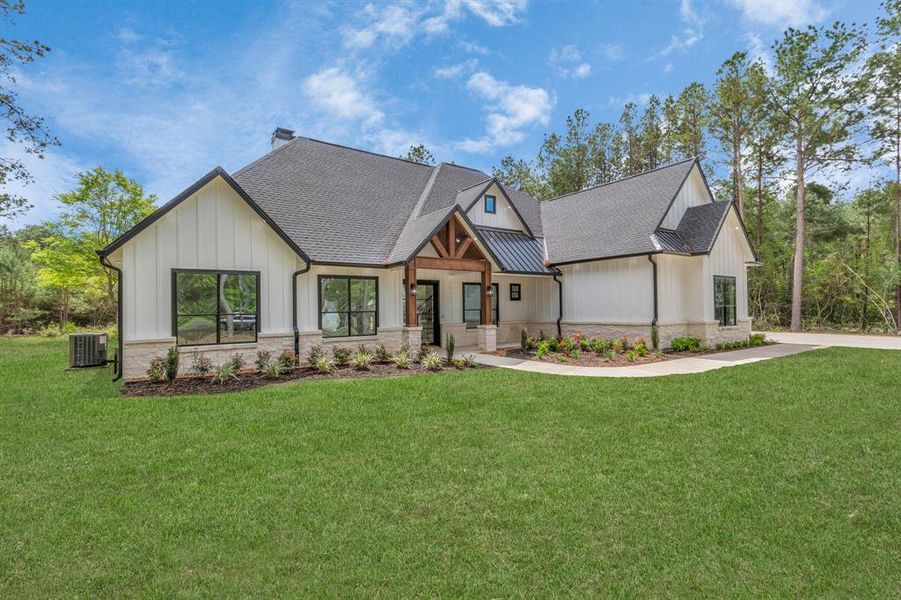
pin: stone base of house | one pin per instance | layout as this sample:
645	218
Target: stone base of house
709	332
139	353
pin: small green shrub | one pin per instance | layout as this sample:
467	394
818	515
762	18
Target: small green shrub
458	363
431	361
600	346
625	342
657	353
541	336
470	362
315	353
641	348
686	344
561	357
449	344
553	344
324	364
200	364
156	371
238	362
341	356
172	358
655	337
544	346
402	360
631	355
263	360
381	354
757	339
223	373
287	361
610	355
362	360
584	345
617	346
524	340
273	370
575	353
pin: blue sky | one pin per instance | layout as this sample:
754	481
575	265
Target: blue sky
167	90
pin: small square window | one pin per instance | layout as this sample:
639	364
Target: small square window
490	204
515	292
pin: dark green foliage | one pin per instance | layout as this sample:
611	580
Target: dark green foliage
315	353
156	371
686	344
381	354
524	339
172	358
200	364
264	358
287	361
341	356
655	337
449	347
238	362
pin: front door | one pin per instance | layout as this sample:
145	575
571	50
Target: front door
427	311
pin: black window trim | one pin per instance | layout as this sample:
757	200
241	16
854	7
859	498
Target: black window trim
478	284
722	318
494	199
348	277
217	273
518	287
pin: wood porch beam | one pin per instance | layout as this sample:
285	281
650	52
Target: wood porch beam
464	246
452	237
439	247
451	264
410	318
486	297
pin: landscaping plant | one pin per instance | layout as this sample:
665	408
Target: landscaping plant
224	372
172	358
262	361
449	347
341	356
273	370
324	364
362	360
470	362
200	364
686	344
458	363
544	346
381	354
431	361
524	340
315	353
156	371
402	359
287	361
238	362
655	337
757	339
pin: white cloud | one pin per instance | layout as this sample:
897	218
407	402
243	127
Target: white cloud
567	62
781	13
341	95
612	52
52	175
396	24
757	50
454	71
667	67
473	48
496	13
511	108
691	34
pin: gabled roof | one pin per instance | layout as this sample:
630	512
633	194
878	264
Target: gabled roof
701	224
614	219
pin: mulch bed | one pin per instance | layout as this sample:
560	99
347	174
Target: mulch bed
590	359
193	386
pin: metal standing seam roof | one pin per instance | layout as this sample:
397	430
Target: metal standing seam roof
516	251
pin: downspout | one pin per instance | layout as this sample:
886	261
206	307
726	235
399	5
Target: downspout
121	334
654	263
559	304
294	310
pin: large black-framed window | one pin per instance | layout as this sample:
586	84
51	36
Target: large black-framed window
724	299
348	305
490	204
215	307
515	292
472	304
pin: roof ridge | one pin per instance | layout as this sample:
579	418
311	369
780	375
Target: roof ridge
486	180
675	164
451	164
379	154
270	153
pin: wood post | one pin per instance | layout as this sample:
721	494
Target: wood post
486	296
410	319
452	237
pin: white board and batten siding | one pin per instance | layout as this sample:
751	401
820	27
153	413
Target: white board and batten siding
729	256
692	193
503	218
213	229
608	291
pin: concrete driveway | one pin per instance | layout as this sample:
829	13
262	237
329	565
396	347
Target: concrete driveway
879	342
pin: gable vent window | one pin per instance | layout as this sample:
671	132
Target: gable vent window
215	307
490	204
724	299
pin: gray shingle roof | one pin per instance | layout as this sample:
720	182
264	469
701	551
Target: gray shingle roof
515	250
417	230
615	219
700	224
338	204
449	181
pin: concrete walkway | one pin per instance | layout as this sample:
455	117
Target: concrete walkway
879	342
679	366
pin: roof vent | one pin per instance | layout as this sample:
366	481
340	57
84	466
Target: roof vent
281	136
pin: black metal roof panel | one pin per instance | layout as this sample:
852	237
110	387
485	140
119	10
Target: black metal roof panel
516	251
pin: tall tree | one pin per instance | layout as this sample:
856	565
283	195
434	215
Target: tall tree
651	134
22	129
521	175
568	160
693	115
884	93
812	97
631	141
419	154
739	96
102	207
670	115
764	161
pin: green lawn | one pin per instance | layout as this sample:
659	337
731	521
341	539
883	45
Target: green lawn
779	478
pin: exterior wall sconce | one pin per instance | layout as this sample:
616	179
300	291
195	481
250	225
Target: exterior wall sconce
491	290
413	289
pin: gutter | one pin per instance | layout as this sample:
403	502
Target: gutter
654	263
294	309
120	337
559	304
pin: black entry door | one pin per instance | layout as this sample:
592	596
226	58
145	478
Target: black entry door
427	311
